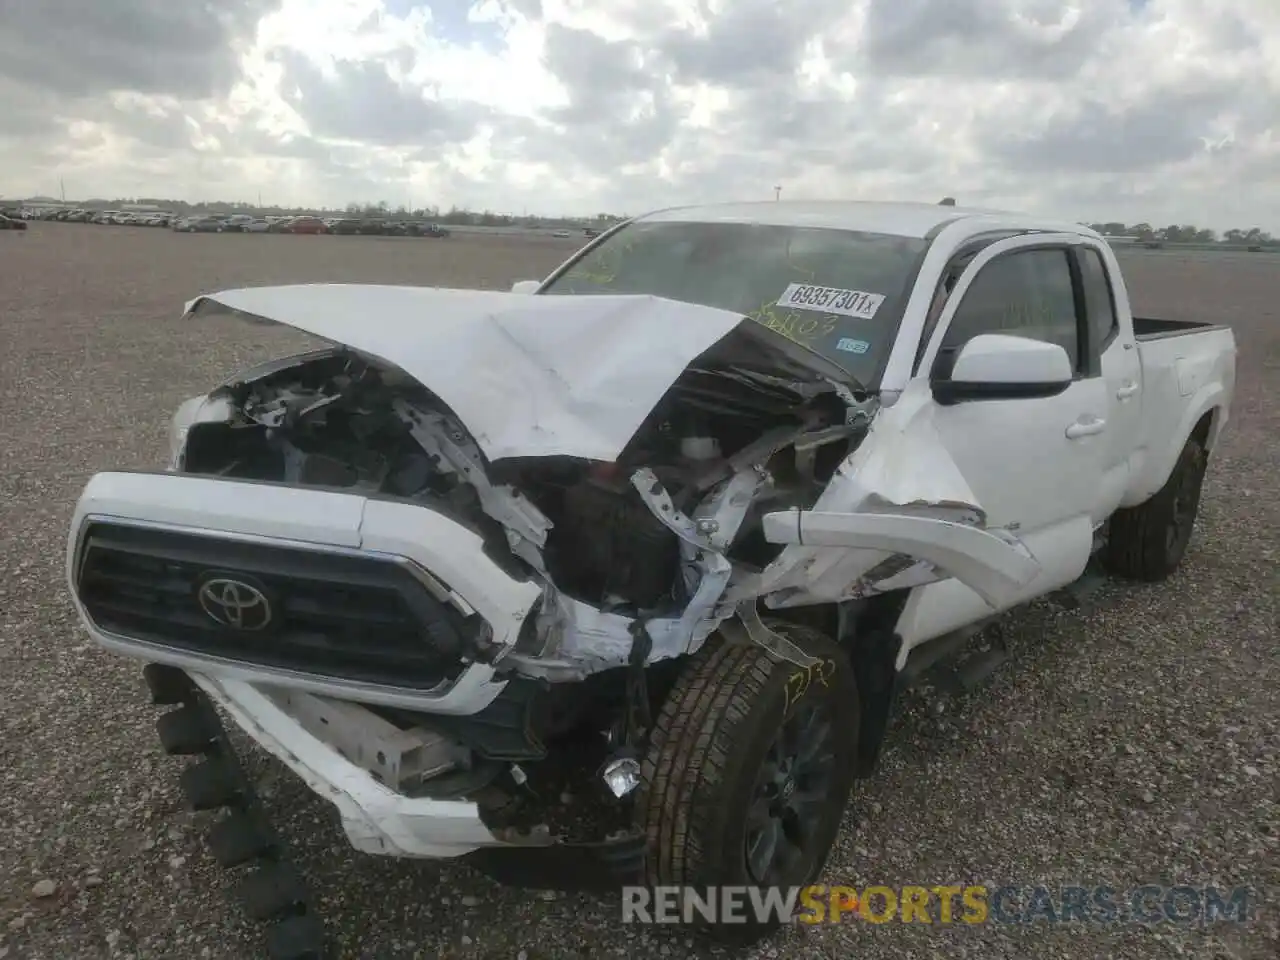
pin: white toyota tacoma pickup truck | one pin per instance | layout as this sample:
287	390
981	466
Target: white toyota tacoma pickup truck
616	575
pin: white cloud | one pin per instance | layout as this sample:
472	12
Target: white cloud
1156	110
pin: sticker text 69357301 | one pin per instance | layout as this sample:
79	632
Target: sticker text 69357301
849	303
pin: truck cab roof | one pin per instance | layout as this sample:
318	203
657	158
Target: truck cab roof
902	219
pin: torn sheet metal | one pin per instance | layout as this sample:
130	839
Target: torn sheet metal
527	376
576	639
900	481
454	452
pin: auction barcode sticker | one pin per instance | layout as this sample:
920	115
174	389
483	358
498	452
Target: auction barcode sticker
850	303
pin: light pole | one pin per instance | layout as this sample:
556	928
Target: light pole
777	193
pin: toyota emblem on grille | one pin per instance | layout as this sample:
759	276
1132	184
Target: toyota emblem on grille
234	603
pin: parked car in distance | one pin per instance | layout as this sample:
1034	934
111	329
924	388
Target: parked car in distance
236	222
11	223
432	230
260	225
561	234
344	226
281	225
204	225
311	225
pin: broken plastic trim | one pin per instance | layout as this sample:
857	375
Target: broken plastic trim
993	564
773	643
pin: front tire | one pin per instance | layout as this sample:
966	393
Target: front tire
749	770
1148	542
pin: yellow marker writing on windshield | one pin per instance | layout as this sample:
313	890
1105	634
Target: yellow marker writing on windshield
794	325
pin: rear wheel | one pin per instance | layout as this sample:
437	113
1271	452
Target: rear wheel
1148	542
749	770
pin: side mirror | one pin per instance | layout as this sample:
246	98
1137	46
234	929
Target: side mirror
994	366
526	286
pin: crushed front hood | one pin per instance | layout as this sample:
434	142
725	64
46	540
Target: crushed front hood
529	376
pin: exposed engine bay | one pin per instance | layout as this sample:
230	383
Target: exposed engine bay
633	538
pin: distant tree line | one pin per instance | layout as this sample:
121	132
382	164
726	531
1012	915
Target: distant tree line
452	216
1253	237
481	218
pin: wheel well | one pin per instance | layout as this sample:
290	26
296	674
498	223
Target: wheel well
1204	428
866	629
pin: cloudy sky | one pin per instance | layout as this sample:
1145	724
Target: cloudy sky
1159	110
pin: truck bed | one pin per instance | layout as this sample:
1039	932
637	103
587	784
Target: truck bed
1187	369
1151	328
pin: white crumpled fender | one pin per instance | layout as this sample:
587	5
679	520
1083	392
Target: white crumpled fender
898	513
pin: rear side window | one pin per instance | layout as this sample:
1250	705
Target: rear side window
1027	293
1098	299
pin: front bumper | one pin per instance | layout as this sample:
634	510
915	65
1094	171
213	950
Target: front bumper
431	546
375	818
378	820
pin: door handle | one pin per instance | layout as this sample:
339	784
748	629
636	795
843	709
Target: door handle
1085	428
1127	390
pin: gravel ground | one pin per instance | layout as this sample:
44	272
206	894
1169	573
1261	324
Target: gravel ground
1135	741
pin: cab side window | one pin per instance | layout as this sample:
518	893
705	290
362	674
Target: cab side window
1027	293
1098	299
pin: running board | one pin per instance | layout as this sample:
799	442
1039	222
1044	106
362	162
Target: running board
1084	588
970	674
950	665
924	658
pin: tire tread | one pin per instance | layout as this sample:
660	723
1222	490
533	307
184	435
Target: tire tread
1136	545
694	736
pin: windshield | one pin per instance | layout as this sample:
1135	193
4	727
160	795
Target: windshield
839	293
